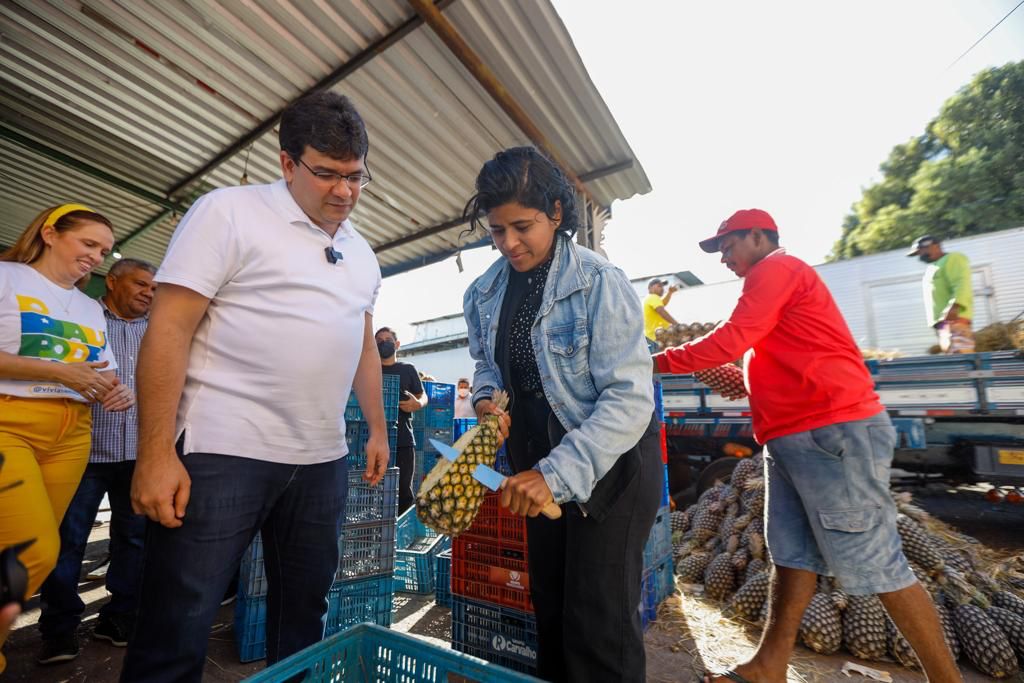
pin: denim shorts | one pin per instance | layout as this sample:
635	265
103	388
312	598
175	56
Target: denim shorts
828	507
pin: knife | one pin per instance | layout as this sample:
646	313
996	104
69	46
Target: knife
490	477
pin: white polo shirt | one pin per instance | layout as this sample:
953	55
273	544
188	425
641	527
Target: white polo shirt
272	362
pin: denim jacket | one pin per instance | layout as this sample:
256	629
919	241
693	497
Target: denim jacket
594	363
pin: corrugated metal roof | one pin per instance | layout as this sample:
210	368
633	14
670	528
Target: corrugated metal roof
149	92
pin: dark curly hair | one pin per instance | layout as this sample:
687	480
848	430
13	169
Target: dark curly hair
525	176
327	122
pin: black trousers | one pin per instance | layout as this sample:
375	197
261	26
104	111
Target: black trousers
405	458
585	577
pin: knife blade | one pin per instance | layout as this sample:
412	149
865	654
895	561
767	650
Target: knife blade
490	477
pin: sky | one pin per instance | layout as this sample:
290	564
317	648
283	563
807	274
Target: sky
786	106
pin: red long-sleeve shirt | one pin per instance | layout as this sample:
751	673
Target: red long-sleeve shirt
802	368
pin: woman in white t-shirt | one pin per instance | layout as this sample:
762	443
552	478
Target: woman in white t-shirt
54	362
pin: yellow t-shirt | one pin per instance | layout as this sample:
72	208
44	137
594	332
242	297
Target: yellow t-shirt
652	319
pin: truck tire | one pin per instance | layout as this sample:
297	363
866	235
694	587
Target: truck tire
717	470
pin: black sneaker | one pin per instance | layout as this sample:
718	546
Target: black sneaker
115	631
59	649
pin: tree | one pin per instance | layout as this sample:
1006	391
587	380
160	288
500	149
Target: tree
963	176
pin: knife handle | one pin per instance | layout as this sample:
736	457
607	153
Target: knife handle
552	510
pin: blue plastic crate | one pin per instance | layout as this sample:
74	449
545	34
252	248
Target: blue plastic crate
357	454
354	602
659	543
417	550
443	578
368	503
371	654
251	627
665	493
658	584
392	391
659	402
409	529
442	434
366	550
348	603
461	425
498	634
440	409
252	580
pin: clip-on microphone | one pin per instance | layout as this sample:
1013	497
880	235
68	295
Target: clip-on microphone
333	255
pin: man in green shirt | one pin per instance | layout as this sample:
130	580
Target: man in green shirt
948	298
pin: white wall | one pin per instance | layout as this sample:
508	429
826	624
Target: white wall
447	366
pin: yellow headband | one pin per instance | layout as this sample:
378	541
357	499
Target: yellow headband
62	211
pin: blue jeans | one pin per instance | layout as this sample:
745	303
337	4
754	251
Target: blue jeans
297	508
61	606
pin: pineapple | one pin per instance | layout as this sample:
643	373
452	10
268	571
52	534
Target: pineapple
726	380
719	577
707	521
948	630
986	645
753	567
899	648
1008	601
864	627
918	546
745	469
750	598
449	496
691	568
821	627
680	520
753	497
1012	624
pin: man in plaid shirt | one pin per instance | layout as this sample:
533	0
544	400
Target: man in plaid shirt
126	305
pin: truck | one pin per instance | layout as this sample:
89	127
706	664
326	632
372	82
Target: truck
960	418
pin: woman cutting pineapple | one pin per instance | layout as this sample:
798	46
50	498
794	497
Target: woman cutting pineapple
561	330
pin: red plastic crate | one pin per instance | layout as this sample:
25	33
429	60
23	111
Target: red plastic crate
491	570
495	522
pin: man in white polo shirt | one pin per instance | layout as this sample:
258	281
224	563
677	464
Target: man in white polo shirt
261	327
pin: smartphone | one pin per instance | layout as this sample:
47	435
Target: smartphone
13	575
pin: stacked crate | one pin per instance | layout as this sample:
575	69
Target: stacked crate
417	549
364	585
357	432
492	614
435	421
658	581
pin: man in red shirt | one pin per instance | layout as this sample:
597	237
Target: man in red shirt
828	448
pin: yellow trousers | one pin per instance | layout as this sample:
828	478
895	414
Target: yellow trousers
44	443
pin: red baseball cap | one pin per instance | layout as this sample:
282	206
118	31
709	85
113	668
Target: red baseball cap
744	219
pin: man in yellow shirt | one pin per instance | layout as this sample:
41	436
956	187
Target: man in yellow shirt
655	315
948	295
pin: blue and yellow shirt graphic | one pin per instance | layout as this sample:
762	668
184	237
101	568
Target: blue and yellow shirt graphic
44	336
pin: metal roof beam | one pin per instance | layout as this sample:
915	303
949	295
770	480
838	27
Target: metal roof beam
375	48
450	36
92	171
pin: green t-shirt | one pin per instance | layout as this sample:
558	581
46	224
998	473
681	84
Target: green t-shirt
948	282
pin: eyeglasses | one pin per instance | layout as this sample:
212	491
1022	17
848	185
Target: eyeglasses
354	180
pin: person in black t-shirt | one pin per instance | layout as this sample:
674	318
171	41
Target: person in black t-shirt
411	399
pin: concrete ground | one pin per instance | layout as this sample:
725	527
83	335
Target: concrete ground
674	655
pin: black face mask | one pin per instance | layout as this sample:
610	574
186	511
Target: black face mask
386	349
925	258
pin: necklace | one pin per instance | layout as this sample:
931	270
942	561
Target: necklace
65	305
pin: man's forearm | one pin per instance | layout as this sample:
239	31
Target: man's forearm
163	360
368	383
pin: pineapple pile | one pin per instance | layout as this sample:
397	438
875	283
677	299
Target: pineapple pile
719	542
449	496
680	333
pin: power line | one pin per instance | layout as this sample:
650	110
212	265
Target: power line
985	36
